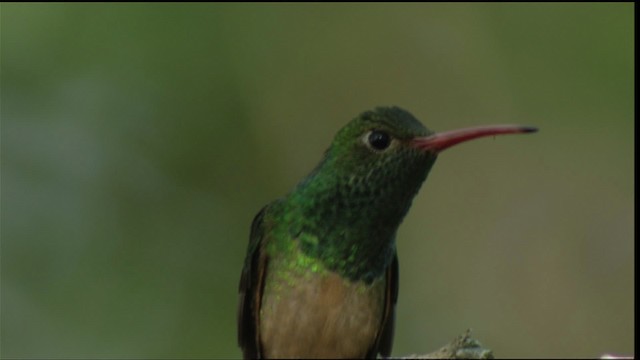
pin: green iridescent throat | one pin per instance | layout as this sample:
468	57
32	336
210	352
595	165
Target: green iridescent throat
347	211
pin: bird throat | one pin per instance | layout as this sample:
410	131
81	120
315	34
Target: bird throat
348	220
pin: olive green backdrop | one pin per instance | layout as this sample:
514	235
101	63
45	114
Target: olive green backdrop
139	140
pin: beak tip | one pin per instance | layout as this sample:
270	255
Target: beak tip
529	129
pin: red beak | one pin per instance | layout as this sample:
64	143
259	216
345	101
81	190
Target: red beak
440	141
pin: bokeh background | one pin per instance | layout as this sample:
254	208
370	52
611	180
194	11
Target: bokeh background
139	140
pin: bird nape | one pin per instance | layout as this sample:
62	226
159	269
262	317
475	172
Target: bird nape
320	278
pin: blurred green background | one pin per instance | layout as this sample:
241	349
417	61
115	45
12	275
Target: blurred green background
139	140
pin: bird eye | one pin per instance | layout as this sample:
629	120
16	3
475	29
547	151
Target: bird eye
379	140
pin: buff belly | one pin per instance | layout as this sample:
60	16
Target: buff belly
319	315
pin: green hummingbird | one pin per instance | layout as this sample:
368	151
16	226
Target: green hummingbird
320	278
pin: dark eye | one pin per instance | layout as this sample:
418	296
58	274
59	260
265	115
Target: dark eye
379	140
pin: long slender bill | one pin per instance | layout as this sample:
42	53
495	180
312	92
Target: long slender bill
441	141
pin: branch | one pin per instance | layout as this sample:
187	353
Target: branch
462	347
465	347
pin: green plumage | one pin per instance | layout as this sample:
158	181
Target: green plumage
337	223
320	279
347	211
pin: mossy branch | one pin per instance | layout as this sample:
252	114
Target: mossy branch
462	347
465	347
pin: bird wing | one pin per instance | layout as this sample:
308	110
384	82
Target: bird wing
251	285
384	342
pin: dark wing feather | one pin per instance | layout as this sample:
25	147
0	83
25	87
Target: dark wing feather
251	284
384	342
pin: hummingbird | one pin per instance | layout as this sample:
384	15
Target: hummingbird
320	277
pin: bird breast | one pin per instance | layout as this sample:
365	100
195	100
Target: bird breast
319	315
